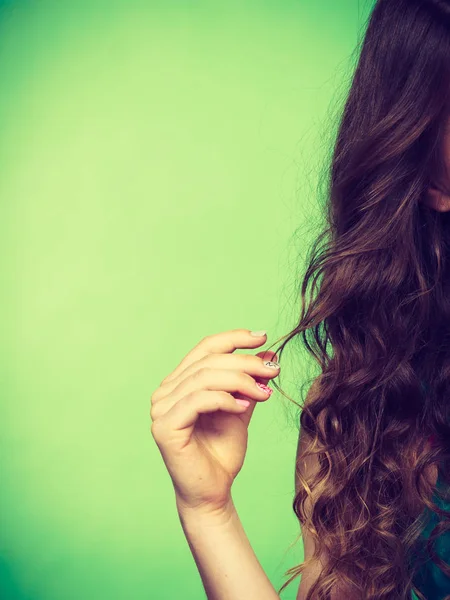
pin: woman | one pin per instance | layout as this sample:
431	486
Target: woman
372	470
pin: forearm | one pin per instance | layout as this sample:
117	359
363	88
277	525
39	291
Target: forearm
224	557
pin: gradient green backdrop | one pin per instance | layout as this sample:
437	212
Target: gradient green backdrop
156	159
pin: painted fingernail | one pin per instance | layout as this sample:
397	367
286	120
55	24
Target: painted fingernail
264	388
272	364
259	333
243	402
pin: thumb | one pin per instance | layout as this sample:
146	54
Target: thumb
247	415
266	355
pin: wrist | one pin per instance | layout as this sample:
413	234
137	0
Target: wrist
210	515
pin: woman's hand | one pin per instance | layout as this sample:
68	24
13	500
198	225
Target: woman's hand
197	423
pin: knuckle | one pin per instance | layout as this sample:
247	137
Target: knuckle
157	431
238	379
155	396
202	373
225	398
220	398
205	340
191	397
153	412
207	360
246	379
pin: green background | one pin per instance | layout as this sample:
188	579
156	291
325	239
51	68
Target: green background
156	159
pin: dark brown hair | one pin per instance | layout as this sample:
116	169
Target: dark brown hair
377	317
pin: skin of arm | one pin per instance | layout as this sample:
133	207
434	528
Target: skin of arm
227	564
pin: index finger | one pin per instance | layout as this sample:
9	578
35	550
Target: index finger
224	342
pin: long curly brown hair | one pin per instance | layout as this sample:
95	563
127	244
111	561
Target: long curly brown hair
377	317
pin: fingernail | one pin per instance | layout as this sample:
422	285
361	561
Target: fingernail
264	388
243	402
259	333
272	364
